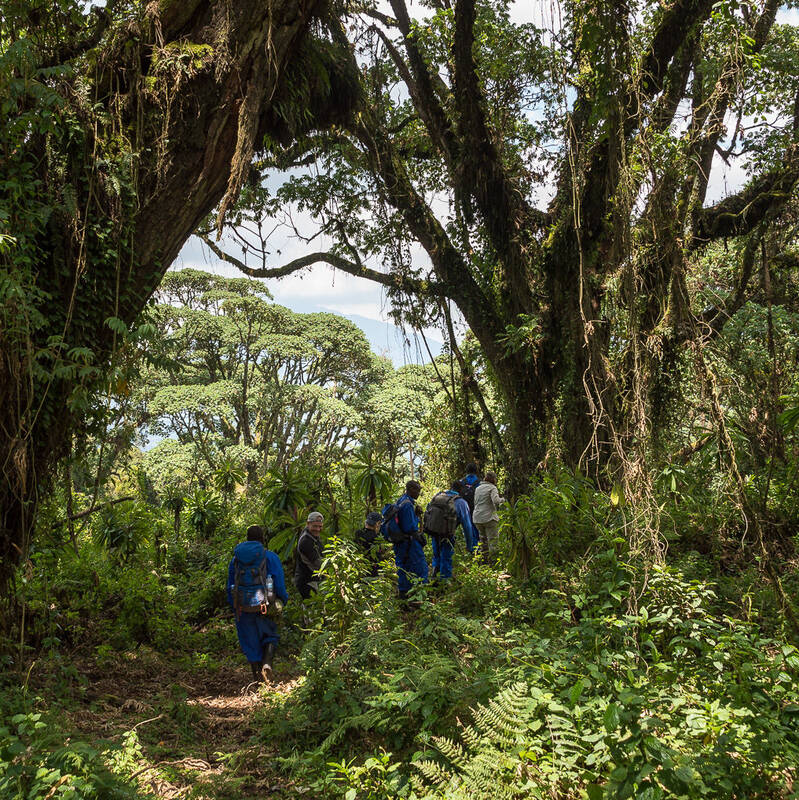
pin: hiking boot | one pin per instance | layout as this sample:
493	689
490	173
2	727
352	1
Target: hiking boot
256	667
266	669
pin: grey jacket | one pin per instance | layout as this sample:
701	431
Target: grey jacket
486	503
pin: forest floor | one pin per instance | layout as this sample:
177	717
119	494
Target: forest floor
185	724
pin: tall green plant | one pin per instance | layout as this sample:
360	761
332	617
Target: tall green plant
204	510
124	528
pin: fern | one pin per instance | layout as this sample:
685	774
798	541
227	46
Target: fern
487	762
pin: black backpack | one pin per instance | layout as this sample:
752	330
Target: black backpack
440	518
466	491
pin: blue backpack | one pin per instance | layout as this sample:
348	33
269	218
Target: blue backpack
390	527
253	586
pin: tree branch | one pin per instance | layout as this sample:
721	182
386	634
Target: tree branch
510	221
426	99
456	280
674	29
403	283
385	19
741	213
93	509
710	117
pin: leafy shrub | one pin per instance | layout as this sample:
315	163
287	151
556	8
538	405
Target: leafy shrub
671	700
560	517
204	510
35	764
123	529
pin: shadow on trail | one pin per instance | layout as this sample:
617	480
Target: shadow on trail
188	729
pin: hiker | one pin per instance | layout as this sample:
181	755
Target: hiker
468	484
256	591
309	556
367	540
485	517
464	517
440	521
401	528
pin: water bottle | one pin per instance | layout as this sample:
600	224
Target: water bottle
270	590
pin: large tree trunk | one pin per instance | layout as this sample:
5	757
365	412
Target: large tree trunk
187	90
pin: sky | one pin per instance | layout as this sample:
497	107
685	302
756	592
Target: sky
323	288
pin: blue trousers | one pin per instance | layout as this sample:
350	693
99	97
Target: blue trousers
442	556
411	562
255	632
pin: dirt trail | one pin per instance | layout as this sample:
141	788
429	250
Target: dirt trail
195	725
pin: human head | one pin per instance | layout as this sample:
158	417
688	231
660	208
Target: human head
374	520
314	523
456	487
471	468
491	477
413	489
255	533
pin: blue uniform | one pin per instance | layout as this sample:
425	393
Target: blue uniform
442	556
472	480
256	631
465	521
409	554
443	548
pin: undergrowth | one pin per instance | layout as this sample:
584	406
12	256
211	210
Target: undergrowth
597	675
608	679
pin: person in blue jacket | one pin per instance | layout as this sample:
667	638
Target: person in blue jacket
444	546
466	488
464	517
257	632
407	541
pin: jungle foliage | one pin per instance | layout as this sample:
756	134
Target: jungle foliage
621	347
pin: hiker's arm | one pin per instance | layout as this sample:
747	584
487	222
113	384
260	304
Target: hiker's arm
462	509
496	499
276	568
407	518
231	579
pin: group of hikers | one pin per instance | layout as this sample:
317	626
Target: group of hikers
256	586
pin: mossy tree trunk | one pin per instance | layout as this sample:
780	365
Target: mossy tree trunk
160	112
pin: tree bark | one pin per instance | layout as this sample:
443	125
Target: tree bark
189	87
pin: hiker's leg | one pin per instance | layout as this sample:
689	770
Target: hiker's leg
269	640
269	655
492	534
417	561
400	559
446	548
436	555
249	637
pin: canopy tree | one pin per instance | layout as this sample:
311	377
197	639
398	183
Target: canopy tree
621	113
254	380
122	127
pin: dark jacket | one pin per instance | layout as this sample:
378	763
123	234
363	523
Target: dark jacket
368	541
308	559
